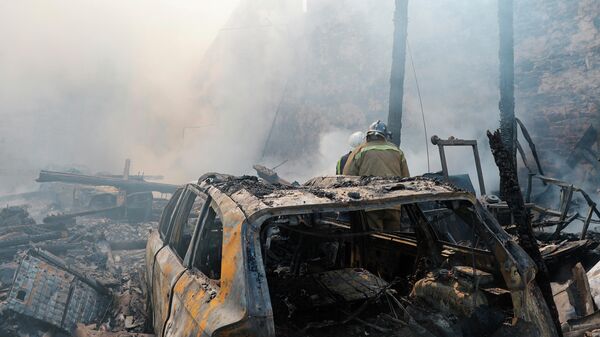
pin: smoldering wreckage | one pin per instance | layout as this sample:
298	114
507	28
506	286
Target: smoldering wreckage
122	255
118	255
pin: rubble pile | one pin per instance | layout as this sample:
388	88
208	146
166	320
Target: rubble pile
15	216
82	278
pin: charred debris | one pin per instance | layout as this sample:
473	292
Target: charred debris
545	215
548	217
78	270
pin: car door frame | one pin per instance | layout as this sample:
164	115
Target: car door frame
157	238
163	280
237	303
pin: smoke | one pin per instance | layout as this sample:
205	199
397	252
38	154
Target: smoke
187	87
454	48
86	84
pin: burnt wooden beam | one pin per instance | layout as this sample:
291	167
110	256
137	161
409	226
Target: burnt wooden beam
506	54
511	191
131	186
397	73
24	239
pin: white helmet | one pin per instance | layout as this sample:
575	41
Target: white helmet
356	139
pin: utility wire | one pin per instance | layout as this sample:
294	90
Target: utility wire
283	96
412	63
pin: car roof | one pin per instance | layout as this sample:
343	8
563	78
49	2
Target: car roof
256	197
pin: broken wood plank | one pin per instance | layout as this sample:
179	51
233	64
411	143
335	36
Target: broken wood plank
22	228
584	303
30	238
586	223
52	248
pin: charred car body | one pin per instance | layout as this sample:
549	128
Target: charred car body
239	257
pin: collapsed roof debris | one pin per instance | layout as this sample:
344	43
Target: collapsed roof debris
69	270
46	289
15	216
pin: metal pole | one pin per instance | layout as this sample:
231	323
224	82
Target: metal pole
479	170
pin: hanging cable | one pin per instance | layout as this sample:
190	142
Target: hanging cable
283	96
412	63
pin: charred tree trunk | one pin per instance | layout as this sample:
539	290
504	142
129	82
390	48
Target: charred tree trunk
508	124
510	189
397	73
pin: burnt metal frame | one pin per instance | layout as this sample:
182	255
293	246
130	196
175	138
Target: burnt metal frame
165	224
441	143
566	197
196	242
182	211
517	267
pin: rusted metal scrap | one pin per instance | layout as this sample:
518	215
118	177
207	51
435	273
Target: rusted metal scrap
47	290
511	191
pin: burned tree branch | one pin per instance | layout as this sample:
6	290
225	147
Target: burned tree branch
510	189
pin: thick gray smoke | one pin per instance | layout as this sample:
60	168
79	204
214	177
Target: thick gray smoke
86	84
454	46
187	87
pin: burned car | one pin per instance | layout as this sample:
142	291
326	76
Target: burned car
236	256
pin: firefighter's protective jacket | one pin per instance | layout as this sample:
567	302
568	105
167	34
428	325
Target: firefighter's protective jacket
377	158
339	168
384	159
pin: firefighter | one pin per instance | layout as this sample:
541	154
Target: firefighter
354	141
378	157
